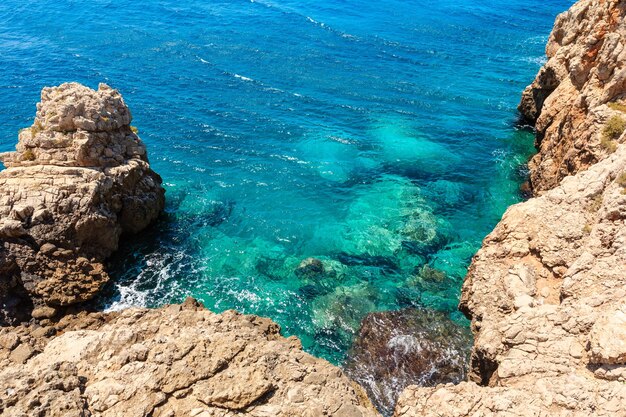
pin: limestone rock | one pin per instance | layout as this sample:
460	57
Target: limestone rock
546	292
179	360
575	92
546	297
78	179
608	338
395	349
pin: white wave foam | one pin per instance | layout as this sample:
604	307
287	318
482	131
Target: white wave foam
241	77
160	267
320	24
405	342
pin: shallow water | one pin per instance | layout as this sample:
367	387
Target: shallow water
378	137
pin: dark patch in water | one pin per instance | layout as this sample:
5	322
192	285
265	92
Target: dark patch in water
384	263
312	291
395	349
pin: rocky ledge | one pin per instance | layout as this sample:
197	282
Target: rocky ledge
547	291
78	180
179	360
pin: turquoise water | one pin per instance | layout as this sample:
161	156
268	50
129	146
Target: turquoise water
378	137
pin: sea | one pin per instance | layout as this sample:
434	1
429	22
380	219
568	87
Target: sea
380	138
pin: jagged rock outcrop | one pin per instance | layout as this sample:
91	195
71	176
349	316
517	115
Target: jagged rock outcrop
178	360
395	349
78	179
547	291
579	89
547	294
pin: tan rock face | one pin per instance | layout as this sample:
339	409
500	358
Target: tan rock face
78	179
173	361
574	94
547	291
547	298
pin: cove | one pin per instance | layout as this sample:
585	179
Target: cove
378	138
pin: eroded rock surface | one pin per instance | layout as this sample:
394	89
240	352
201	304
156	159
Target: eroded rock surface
179	360
547	291
547	294
576	91
78	179
395	349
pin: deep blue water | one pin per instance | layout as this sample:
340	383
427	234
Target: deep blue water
377	136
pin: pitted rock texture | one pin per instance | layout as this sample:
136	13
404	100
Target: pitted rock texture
547	298
179	360
575	93
78	180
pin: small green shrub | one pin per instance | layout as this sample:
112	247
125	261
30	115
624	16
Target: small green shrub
614	128
608	145
28	155
617	106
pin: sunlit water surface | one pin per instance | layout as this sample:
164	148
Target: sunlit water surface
376	136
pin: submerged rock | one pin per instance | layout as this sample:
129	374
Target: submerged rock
344	308
179	360
78	179
395	349
310	268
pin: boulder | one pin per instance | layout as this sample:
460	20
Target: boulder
395	349
310	268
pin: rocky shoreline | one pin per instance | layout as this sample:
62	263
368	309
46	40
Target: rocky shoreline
78	180
545	293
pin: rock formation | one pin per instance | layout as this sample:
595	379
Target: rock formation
78	179
179	360
547	291
580	88
395	349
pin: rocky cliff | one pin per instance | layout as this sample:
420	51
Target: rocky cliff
580	88
78	179
547	291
